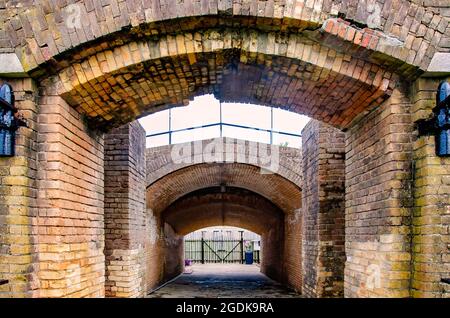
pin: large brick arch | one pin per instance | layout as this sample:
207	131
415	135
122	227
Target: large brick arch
113	87
141	59
43	34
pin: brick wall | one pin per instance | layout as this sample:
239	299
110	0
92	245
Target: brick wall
292	254
126	222
70	221
431	214
173	253
378	201
323	252
18	194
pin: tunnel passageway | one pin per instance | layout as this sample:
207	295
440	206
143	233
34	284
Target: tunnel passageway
223	281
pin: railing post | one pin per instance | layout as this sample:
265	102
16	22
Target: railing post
203	248
271	125
242	246
220	109
170	126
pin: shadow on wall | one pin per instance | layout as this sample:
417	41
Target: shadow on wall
174	253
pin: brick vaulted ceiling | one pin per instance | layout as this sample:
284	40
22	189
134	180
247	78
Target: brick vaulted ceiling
212	207
291	72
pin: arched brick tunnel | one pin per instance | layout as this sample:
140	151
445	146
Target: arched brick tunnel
233	207
75	218
192	196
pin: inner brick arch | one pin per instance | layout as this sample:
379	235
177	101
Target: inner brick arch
163	192
240	208
286	161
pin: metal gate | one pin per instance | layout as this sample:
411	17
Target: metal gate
218	248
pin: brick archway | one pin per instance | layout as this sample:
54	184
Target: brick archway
57	33
281	70
171	183
360	73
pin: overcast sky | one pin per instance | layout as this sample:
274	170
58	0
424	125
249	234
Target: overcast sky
206	110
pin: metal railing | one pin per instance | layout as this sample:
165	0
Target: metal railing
222	124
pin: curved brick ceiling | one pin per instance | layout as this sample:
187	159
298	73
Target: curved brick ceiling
234	207
281	192
318	82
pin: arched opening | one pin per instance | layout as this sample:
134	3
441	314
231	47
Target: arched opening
222	244
90	212
222	261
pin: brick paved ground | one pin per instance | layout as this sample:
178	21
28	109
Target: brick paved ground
223	280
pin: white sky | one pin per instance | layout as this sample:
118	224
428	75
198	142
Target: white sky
205	110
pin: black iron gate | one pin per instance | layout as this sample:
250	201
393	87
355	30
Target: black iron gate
219	249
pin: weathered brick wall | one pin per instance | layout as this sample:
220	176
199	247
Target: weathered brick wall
125	212
173	253
273	257
154	251
323	251
332	205
70	195
431	213
292	254
443	8
378	201
18	194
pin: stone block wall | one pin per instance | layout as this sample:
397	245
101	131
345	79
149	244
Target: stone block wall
323	253
378	201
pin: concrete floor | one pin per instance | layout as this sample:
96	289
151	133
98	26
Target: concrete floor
223	281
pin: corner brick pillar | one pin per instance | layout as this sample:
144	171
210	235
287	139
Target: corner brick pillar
18	193
323	252
378	201
431	212
125	211
70	202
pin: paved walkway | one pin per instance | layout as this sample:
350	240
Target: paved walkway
223	281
